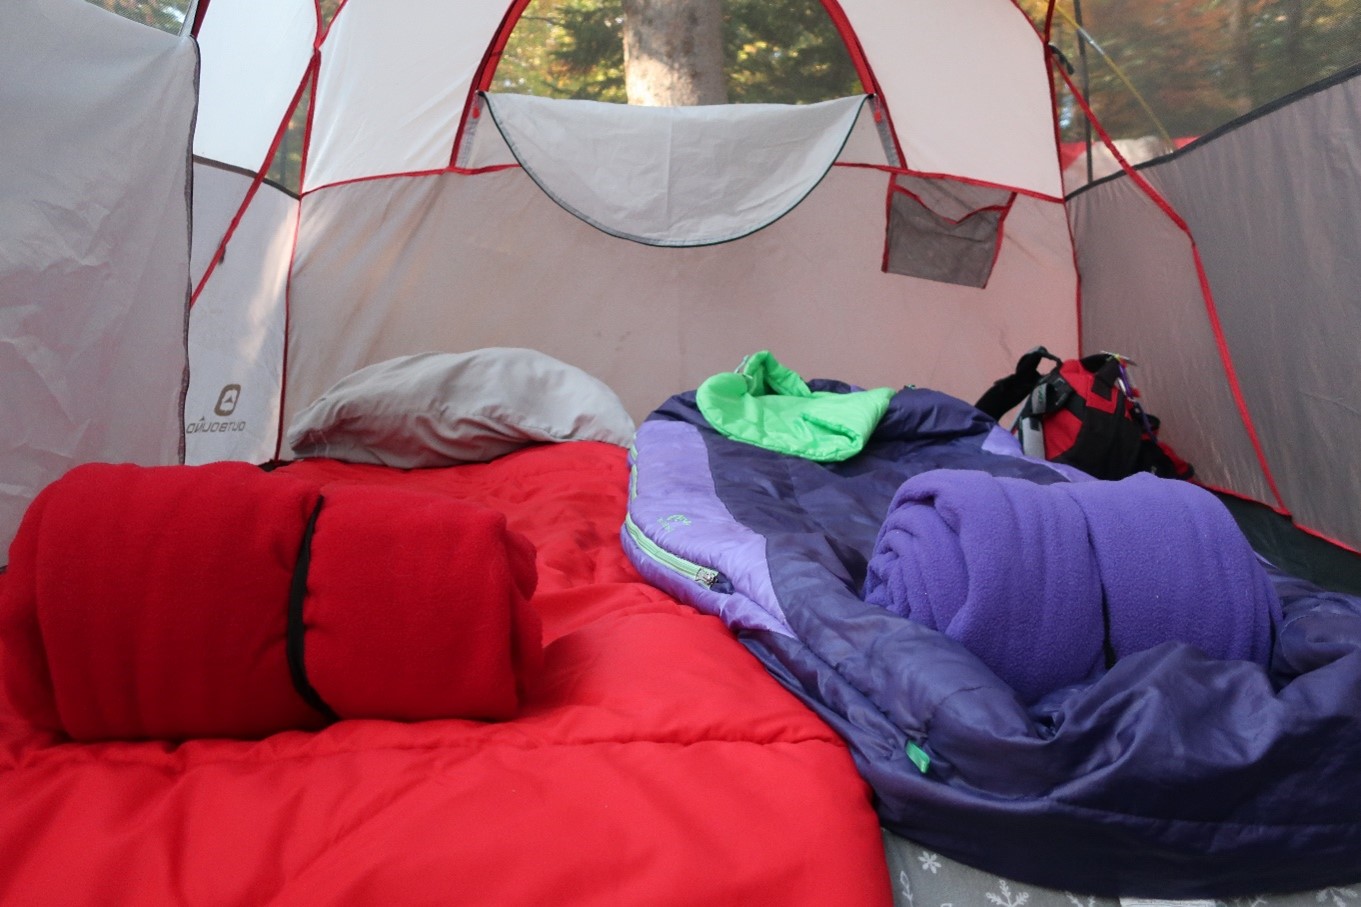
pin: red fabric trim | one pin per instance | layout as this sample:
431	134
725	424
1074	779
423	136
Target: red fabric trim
1051	65
293	257
288	318
487	69
1001	237
868	81
1279	512
924	174
1221	342
307	126
376	176
492	168
293	251
1215	326
883	168
308	73
199	12
322	33
492	57
1327	538
1002	207
888	220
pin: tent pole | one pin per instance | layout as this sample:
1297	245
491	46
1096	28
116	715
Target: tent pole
1086	84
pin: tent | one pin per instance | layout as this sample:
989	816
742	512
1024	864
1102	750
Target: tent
163	301
918	234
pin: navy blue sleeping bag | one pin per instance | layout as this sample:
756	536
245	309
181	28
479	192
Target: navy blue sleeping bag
1157	769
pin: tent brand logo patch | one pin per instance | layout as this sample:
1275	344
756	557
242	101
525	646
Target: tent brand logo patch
226	401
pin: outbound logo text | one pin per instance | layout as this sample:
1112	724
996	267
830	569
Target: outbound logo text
227	400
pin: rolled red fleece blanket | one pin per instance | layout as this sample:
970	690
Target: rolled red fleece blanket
220	600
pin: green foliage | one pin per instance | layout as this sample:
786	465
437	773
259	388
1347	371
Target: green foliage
285	170
166	15
1185	67
778	51
565	49
786	52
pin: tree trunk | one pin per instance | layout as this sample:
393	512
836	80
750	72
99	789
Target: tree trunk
1243	60
1294	34
673	52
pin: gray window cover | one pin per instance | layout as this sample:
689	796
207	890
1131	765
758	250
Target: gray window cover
944	230
675	176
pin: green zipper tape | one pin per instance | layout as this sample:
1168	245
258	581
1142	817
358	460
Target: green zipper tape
702	575
919	757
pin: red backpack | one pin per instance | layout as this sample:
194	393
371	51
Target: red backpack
1084	413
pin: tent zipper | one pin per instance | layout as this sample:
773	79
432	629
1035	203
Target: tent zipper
704	576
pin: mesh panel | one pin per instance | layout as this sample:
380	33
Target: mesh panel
1166	73
944	230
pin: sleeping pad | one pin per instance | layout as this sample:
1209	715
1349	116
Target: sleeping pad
1168	773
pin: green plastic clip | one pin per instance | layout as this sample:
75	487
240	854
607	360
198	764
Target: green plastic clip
919	757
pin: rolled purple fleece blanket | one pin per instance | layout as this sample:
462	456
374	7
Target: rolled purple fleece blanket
1017	572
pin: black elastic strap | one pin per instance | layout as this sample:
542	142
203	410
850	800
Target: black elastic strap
1011	390
1107	647
297	666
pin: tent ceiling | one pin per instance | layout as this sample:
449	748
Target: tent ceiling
965	83
254	55
395	76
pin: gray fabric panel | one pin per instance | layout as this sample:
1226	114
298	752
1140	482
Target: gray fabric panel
1141	297
94	243
218	193
923	878
1273	205
944	230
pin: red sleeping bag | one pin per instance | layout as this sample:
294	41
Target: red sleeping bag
224	601
654	761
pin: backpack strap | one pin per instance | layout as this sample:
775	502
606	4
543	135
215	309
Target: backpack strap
1051	394
1011	390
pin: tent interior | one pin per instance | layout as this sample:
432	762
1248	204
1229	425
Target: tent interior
209	226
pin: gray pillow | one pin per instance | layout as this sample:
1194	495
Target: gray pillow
438	409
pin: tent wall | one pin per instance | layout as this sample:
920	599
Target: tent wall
1272	205
236	332
401	249
389	267
94	243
